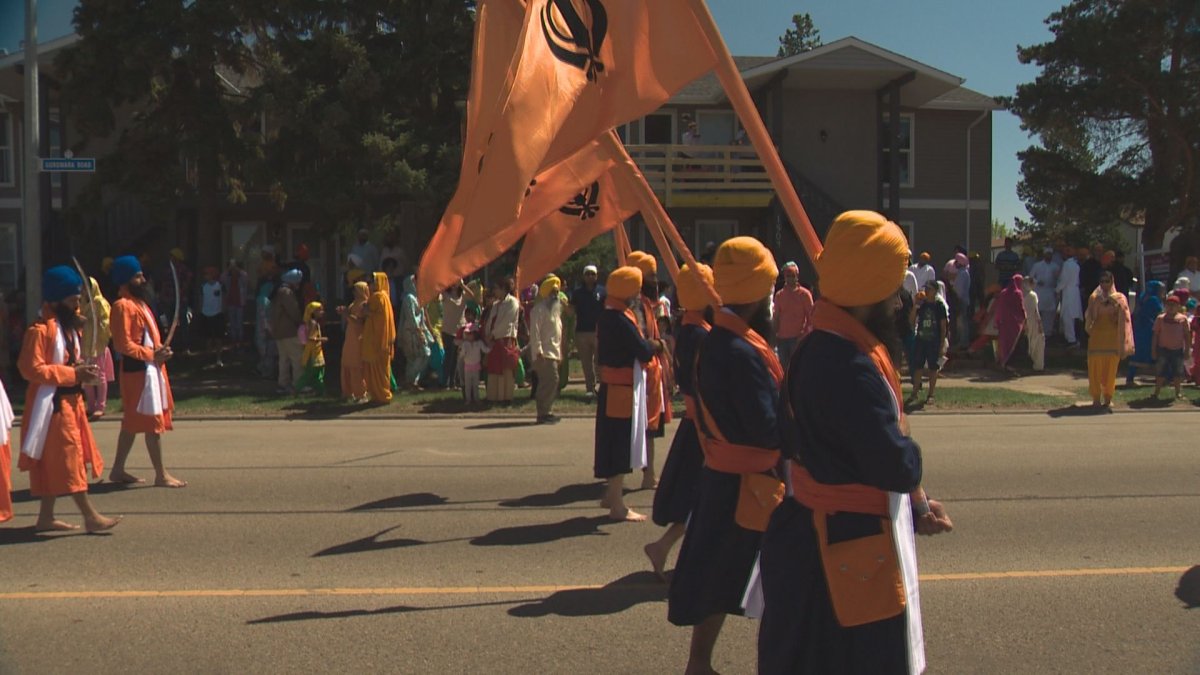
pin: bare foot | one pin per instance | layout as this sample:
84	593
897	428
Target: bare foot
649	482
124	478
626	516
102	523
55	526
658	559
169	481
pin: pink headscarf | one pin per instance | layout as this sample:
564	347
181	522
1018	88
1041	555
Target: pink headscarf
1010	317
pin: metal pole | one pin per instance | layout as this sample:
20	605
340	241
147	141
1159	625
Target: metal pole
31	204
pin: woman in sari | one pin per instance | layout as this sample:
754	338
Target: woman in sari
378	341
1010	319
502	322
312	379
414	335
1110	338
1149	306
354	382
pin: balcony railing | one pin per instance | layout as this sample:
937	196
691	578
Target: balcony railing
704	175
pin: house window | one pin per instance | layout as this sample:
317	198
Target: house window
8	256
7	171
716	126
714	231
658	128
906	145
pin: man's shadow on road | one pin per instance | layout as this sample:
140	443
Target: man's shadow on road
1188	589
563	496
382	611
615	597
375	543
543	533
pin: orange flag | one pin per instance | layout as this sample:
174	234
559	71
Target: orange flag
579	68
599	203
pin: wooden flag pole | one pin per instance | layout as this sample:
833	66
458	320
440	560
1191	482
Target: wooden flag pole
731	81
622	239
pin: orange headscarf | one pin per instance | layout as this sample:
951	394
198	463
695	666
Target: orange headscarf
379	331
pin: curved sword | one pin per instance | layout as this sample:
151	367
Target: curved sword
175	320
91	298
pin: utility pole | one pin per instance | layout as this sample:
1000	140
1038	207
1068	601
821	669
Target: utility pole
31	205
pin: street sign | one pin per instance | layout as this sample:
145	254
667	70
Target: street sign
68	164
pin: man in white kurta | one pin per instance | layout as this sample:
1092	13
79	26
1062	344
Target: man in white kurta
1070	308
1045	284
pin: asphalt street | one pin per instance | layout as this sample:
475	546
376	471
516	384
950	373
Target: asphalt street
477	545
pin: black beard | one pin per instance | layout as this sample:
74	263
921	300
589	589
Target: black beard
650	290
141	292
881	322
760	322
68	317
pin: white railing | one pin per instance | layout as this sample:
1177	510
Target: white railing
710	174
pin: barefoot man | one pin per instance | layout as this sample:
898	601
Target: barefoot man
56	442
737	392
622	354
145	390
658	412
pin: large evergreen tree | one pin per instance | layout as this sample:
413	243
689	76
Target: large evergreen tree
802	37
1117	110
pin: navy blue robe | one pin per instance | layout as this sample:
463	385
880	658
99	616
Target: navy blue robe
718	555
618	345
676	493
846	431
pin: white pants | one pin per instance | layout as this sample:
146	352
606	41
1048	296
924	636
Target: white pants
1037	349
470	386
1068	329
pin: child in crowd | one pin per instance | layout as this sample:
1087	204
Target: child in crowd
932	327
471	349
212	314
312	380
1172	345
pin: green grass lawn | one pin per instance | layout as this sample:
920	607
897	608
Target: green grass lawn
975	398
1140	397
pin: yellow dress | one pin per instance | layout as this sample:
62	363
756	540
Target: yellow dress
379	342
1106	346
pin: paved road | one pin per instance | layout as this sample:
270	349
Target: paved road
473	545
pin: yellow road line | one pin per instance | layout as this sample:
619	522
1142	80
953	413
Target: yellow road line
527	590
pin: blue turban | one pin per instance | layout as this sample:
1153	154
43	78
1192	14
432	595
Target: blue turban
124	269
59	283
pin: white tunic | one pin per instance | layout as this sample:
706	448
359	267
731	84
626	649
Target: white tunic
1068	287
1045	282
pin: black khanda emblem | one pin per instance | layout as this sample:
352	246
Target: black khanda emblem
584	205
569	37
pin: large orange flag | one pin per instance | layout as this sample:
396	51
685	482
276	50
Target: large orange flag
579	68
600	202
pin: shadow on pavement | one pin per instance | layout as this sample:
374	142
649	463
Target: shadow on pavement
525	535
567	494
414	500
1079	411
24	535
371	543
382	611
1151	403
1189	588
617	596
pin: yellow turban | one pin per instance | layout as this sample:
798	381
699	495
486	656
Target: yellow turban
177	254
106	264
624	283
643	261
310	309
745	271
864	260
550	286
690	288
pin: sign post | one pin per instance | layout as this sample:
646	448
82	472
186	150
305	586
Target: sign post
68	164
32	235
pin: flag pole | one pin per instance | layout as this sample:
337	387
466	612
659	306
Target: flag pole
623	247
652	210
735	88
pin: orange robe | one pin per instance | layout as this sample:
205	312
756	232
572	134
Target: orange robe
129	322
379	342
658	411
70	447
5	483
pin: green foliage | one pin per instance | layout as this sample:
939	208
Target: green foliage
802	37
1117	110
601	252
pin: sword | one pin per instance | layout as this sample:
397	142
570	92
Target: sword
87	283
174	321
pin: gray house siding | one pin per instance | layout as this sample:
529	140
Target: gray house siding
844	163
941	152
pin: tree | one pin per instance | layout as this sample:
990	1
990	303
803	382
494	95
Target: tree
1117	110
999	229
802	37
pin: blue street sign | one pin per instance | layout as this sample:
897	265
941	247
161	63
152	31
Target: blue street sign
68	164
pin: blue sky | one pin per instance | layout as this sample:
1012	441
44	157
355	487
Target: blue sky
974	39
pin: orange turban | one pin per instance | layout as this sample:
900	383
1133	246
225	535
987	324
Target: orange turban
925	257
690	288
864	260
643	261
744	271
624	283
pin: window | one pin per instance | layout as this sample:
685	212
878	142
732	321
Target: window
623	133
716	126
659	129
907	143
8	256
7	171
910	233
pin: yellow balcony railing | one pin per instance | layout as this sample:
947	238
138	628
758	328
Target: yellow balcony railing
704	175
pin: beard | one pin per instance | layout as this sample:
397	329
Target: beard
881	322
634	302
68	317
650	290
760	320
141	292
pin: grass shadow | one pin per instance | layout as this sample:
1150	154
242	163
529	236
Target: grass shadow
545	533
615	597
